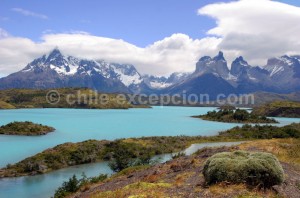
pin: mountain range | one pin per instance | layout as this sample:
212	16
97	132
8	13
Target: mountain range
211	76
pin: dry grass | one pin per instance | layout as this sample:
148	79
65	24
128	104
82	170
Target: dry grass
129	171
152	178
286	150
139	189
5	105
237	191
142	142
181	178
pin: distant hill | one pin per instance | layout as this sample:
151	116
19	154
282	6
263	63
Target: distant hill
30	98
279	109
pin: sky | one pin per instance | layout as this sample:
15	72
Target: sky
158	37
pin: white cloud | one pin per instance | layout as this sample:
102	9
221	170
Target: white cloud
175	53
256	29
29	13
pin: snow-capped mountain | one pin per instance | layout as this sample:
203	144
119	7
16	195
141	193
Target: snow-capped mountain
58	70
285	71
162	82
216	66
211	76
70	66
280	75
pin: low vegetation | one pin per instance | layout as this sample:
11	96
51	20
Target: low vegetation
126	155
74	184
5	105
25	128
82	98
60	156
279	109
138	189
183	177
263	132
286	150
256	169
134	151
179	154
235	116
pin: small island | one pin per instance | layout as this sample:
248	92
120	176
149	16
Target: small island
235	116
25	128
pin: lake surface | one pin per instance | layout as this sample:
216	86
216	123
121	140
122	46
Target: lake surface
75	125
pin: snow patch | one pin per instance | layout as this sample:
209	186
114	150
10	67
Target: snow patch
128	80
286	61
276	69
231	77
159	85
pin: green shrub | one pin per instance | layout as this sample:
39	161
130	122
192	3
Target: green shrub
179	154
74	184
243	167
68	187
127	154
238	115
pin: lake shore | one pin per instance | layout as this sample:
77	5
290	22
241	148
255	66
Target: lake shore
70	154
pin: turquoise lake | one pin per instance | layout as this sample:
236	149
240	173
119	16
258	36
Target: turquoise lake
75	125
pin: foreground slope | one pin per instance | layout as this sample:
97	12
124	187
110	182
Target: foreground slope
182	177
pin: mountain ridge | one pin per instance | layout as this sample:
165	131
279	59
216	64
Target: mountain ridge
211	75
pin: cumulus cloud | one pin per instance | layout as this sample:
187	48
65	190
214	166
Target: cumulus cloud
175	53
29	13
256	29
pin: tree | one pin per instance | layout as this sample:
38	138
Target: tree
123	158
68	187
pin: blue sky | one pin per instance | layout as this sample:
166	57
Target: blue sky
158	37
138	22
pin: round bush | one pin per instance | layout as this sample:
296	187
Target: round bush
243	167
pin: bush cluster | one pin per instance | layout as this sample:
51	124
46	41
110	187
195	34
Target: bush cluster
263	131
74	184
238	116
257	169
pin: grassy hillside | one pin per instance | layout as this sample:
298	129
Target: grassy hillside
279	109
266	97
30	98
5	105
25	128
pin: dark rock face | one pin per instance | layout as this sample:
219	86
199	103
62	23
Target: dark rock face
239	66
216	65
204	84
